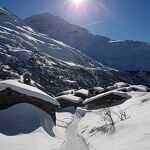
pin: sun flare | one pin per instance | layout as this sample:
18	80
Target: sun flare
77	2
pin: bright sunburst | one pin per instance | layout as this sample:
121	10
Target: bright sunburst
77	2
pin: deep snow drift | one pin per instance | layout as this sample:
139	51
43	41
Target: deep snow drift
23	119
131	133
26	127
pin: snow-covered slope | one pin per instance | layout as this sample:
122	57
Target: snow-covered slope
131	125
53	64
12	27
122	55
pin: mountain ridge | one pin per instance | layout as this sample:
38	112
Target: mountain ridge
125	55
23	49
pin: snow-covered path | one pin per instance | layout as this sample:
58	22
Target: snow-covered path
74	142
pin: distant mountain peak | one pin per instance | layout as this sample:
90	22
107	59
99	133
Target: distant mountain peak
125	55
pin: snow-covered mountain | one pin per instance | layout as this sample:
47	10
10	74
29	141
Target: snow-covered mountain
122	55
53	64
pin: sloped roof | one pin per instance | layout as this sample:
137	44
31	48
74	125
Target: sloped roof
121	84
118	93
138	88
70	98
27	90
98	89
66	92
82	91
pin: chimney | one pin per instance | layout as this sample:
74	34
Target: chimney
27	78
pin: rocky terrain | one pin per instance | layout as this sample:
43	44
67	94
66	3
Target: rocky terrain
53	64
122	55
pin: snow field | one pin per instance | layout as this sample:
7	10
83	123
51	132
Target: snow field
132	133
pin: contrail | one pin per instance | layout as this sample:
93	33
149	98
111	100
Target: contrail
92	23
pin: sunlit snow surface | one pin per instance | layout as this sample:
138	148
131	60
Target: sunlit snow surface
27	90
130	134
33	129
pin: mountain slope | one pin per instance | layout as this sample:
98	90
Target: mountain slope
122	55
53	64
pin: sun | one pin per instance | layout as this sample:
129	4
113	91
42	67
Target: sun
77	2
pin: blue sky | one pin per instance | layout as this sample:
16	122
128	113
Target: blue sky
117	19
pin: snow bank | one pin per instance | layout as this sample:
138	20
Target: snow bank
81	111
27	90
24	118
24	126
74	142
64	118
129	134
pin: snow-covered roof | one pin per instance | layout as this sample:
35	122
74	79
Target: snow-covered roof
98	89
27	90
83	91
67	92
121	94
138	88
70	98
121	84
